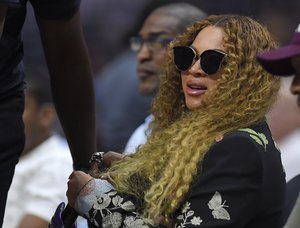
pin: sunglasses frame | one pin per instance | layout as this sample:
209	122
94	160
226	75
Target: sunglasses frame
198	56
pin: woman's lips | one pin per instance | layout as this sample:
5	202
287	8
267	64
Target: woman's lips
195	92
195	88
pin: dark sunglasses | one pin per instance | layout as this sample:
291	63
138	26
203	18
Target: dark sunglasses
210	60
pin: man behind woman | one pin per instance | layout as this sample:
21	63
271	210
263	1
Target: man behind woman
210	160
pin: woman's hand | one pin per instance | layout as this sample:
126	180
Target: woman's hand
77	181
111	156
108	158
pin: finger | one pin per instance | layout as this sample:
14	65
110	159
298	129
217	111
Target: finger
110	157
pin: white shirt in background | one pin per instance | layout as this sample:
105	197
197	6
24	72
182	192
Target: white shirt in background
39	183
139	136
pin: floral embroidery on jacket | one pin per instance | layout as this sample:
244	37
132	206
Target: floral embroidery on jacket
186	215
217	207
109	206
135	221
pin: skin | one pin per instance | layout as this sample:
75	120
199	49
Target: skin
33	221
71	84
295	86
76	182
149	62
209	38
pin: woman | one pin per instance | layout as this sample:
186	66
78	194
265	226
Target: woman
210	160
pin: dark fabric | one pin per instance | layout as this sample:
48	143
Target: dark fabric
292	193
11	141
243	178
241	184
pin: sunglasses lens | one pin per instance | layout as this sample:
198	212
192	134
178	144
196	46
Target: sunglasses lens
183	57
210	61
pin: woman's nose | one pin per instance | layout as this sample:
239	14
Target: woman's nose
196	69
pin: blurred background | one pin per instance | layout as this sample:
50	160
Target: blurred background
108	24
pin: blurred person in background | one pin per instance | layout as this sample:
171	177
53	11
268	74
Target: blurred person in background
285	61
39	183
284	123
159	28
70	77
125	109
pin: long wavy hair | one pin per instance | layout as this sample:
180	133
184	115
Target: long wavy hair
161	172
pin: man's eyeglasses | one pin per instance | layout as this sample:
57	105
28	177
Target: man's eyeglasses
210	60
153	43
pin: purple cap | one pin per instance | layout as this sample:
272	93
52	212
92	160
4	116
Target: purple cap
278	61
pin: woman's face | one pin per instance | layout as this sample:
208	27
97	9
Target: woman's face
196	84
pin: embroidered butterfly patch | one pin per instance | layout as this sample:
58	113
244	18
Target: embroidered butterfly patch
217	207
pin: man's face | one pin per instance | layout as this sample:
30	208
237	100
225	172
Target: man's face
295	86
150	58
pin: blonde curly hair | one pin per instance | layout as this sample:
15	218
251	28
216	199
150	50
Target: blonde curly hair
161	172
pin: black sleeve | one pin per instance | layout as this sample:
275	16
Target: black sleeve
228	186
55	9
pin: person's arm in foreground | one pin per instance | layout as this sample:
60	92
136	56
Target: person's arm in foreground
72	84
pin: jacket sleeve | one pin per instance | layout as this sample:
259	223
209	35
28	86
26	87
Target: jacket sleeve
228	185
103	206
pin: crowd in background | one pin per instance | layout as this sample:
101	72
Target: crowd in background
108	26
